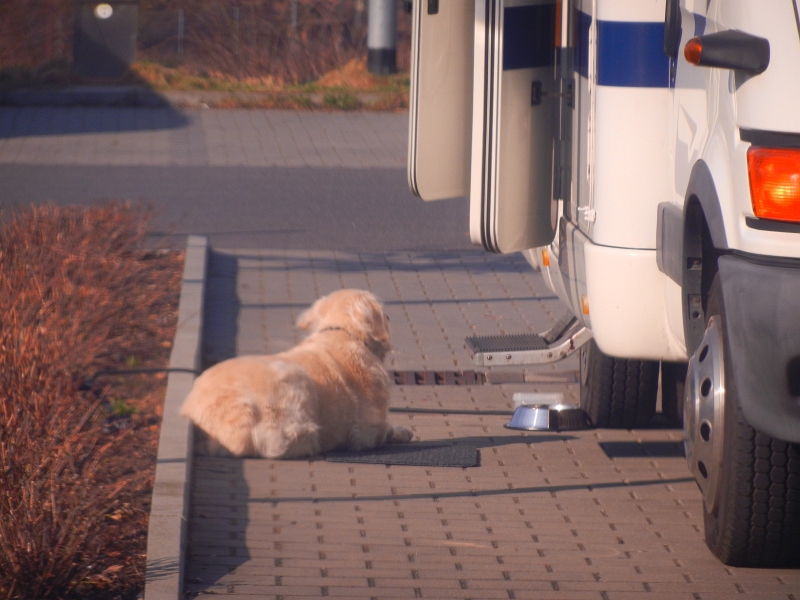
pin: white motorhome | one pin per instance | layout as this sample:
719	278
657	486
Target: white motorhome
645	155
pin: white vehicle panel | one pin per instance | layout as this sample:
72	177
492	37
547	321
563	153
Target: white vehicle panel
626	300
440	111
511	174
630	178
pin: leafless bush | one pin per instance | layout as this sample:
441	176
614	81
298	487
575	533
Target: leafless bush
35	32
67	281
290	40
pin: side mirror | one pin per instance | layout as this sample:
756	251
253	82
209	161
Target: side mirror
729	50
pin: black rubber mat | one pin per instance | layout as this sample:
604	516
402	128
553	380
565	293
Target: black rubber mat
413	454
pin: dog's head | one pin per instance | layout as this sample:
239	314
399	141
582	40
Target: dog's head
357	312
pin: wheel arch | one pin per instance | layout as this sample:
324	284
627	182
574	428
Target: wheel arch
704	240
689	242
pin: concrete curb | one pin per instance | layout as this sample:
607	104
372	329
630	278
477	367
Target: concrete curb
166	535
308	100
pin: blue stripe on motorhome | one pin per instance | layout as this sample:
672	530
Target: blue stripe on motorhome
631	54
529	36
584	22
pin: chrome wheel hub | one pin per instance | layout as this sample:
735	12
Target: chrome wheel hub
703	413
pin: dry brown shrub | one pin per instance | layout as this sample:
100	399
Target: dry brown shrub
73	300
275	41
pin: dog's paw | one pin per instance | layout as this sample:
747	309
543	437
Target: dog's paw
400	435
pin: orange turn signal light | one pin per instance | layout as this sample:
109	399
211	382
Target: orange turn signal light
775	183
545	258
585	305
693	50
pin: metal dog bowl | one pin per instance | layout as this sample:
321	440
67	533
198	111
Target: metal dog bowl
555	417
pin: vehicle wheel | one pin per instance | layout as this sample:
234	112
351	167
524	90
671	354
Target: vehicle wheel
617	392
749	481
673	380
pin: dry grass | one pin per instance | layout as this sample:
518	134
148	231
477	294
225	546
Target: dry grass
78	296
352	76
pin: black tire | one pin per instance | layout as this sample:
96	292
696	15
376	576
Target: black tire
617	393
757	520
673	381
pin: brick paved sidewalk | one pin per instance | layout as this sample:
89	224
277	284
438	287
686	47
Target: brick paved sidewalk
595	514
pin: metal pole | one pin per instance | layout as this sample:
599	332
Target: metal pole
382	37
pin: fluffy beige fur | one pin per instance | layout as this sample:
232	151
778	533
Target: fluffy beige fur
330	391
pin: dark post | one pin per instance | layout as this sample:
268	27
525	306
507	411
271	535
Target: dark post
105	37
382	37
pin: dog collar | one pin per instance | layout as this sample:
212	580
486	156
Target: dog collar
365	342
342	329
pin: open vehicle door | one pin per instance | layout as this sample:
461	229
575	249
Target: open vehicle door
440	98
515	120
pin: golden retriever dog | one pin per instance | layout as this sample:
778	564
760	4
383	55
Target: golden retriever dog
330	391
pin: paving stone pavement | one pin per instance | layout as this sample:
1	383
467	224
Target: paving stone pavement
170	137
600	514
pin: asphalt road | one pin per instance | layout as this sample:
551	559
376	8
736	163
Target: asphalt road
258	207
247	179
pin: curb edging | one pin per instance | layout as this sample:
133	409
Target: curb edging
167	529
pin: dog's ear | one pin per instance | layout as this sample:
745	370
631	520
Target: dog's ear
367	314
305	319
309	318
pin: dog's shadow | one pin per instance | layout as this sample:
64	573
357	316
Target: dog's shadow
218	522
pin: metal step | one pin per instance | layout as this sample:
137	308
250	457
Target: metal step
559	342
506	343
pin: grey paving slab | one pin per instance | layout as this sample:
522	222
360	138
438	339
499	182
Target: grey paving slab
591	514
150	136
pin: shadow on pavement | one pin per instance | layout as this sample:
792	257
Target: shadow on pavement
475	261
221	313
643	449
217	523
70	115
517	491
218	512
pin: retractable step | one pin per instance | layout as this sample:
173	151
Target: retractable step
557	343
